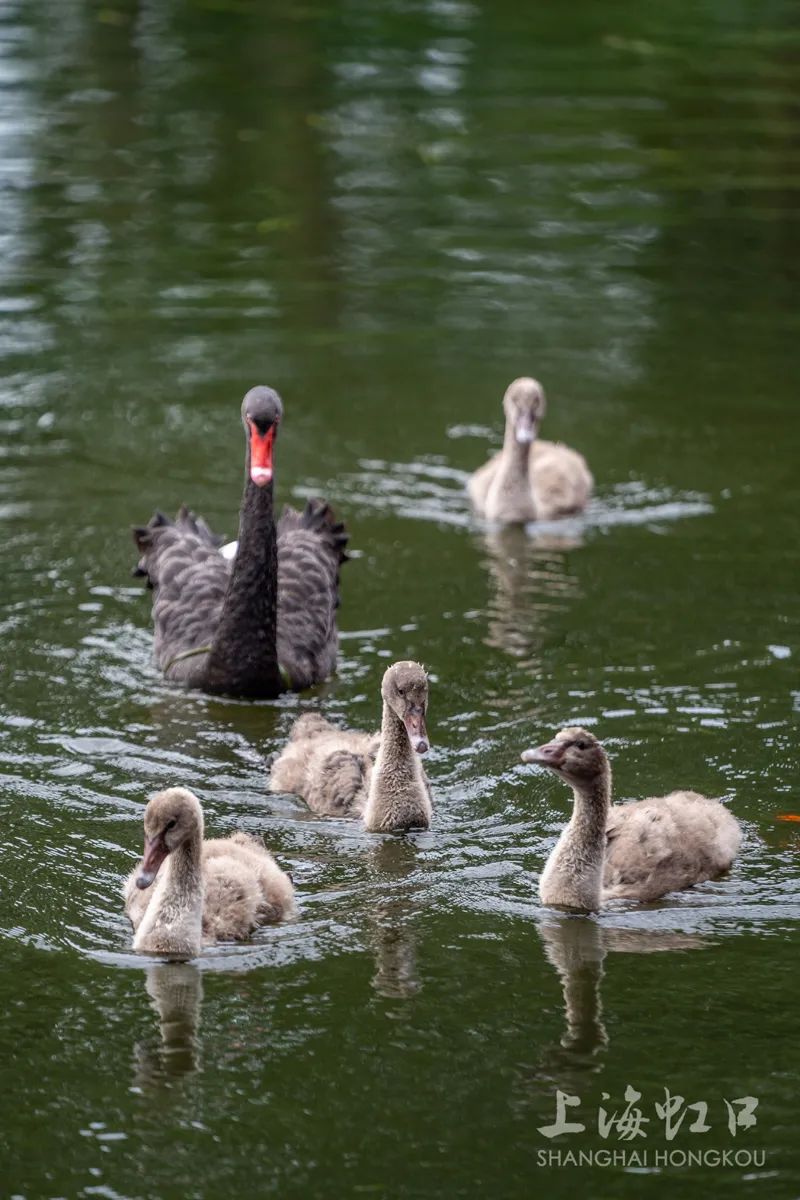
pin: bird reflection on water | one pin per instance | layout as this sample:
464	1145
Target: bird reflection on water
176	993
577	946
391	934
530	579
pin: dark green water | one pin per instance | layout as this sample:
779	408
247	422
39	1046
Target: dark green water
387	211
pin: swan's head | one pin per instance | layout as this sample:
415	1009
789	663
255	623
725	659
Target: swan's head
574	754
171	818
405	690
524	405
261	413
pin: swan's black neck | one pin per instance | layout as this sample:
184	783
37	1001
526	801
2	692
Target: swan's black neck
243	659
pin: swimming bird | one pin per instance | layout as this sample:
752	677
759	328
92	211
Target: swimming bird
637	851
264	622
187	892
529	480
378	776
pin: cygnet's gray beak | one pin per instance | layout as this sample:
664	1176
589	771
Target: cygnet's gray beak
550	755
414	721
155	851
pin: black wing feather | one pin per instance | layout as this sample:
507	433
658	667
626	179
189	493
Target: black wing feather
180	561
311	549
189	577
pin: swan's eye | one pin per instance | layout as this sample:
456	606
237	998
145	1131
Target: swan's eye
171	824
582	745
401	691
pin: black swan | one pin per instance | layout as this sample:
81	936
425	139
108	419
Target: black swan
265	622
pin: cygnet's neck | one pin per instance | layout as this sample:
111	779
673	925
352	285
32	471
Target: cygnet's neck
398	794
515	451
573	875
395	757
590	811
173	921
510	496
185	873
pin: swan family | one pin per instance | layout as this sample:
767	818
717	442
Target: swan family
257	617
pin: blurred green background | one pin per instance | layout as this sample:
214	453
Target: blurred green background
387	210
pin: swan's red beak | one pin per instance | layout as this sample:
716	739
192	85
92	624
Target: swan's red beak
550	755
155	851
261	454
414	721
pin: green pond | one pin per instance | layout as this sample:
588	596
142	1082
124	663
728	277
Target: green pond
388	209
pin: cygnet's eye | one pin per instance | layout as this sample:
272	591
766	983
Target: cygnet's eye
171	824
582	745
401	691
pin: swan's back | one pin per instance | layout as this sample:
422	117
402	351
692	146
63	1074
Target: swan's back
561	481
181	562
665	844
311	549
329	767
244	888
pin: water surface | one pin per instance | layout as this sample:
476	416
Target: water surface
389	211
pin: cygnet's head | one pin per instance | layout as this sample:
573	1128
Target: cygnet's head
574	754
405	690
171	818
262	410
524	405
